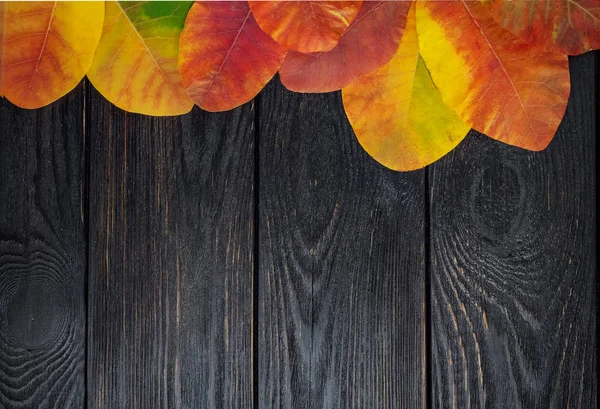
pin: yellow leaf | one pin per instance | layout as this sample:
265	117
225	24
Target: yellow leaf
46	48
397	113
135	66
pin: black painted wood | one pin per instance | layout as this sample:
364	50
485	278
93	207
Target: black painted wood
171	253
332	314
42	255
514	280
341	317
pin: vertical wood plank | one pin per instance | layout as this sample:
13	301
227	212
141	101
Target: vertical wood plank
171	219
42	255
341	277
514	267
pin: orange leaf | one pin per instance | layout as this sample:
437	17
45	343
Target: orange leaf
497	83
305	26
370	42
567	26
225	59
46	48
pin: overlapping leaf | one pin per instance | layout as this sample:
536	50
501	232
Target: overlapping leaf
370	42
488	64
305	26
496	82
135	66
225	58
46	48
566	26
397	113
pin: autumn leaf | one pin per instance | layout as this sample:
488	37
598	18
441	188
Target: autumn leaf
397	113
566	26
305	26
135	66
370	42
46	48
225	58
497	83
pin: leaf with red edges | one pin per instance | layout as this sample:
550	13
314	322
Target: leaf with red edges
369	43
135	66
397	113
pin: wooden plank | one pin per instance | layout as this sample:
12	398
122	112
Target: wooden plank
171	236
42	255
341	276
514	267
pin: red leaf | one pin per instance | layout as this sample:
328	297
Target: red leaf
369	43
224	57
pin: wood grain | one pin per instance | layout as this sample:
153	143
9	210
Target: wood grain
171	242
339	300
513	286
341	256
42	255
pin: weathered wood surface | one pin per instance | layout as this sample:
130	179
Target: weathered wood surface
513	267
42	255
171	253
295	274
342	265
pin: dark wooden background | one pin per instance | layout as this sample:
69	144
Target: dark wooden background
260	259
